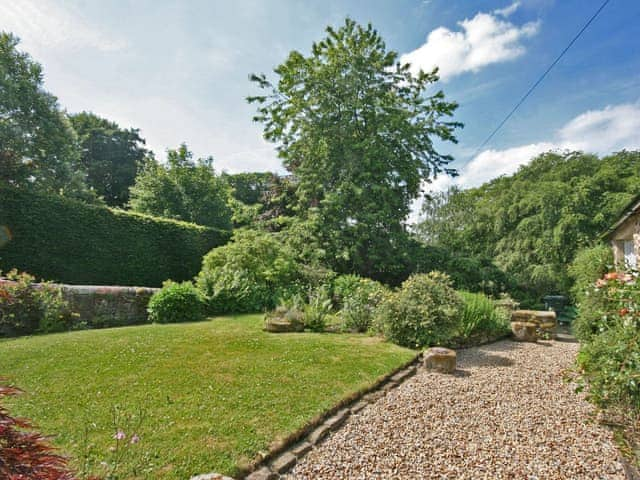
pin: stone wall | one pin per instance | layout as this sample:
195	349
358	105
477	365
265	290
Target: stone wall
100	306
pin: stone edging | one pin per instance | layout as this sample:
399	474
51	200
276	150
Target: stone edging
283	458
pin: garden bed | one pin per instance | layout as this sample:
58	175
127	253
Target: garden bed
214	394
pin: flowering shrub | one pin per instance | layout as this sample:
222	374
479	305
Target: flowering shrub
24	453
610	356
602	303
27	307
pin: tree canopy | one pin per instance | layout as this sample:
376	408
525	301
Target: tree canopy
38	147
111	156
356	130
183	189
533	222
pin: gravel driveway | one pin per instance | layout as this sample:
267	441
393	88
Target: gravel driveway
505	414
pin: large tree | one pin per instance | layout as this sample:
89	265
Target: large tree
183	189
111	156
38	147
356	129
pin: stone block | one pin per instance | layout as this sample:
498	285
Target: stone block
318	434
301	449
358	406
524	331
338	419
440	360
533	316
284	463
263	474
282	326
403	374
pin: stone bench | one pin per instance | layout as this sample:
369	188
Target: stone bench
544	321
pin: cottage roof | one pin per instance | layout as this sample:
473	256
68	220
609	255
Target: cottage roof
632	207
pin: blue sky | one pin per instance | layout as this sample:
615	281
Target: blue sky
178	70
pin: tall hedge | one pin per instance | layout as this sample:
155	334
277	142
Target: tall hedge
68	241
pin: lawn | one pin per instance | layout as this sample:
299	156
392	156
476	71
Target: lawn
212	394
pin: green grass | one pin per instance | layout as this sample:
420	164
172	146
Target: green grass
214	394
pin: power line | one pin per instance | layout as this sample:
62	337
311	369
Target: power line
533	87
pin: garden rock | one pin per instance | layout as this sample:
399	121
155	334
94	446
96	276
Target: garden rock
524	331
440	359
282	326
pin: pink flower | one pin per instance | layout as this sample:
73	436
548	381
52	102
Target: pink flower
135	438
120	435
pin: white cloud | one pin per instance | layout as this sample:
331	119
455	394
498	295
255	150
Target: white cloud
610	129
484	40
45	25
602	131
508	10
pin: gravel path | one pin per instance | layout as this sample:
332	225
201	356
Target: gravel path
505	414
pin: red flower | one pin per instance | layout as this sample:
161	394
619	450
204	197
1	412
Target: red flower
611	276
623	311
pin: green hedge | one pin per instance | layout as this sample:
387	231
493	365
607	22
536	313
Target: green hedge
71	242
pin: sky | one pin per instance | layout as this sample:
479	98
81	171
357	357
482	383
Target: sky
178	70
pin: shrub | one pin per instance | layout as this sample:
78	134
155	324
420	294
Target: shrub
344	286
588	265
177	302
27	307
480	315
316	311
610	354
57	238
610	363
359	298
425	311
251	273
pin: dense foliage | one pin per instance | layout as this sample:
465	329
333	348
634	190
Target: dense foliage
177	302
357	298
183	189
424	311
610	355
71	242
249	274
38	147
356	129
480	317
27	307
110	155
532	223
589	264
250	187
